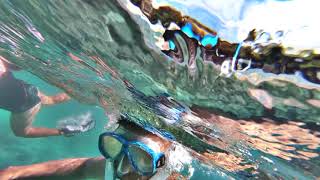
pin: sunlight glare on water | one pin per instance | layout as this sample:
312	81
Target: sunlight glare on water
234	81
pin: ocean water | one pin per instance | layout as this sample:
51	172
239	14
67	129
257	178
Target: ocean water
17	151
266	117
24	151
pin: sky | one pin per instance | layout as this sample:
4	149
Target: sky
233	19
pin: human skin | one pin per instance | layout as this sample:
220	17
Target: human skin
76	168
21	123
82	168
66	169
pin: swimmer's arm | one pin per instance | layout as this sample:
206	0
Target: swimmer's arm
72	168
50	100
9	65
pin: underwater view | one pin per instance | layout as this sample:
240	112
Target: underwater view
159	89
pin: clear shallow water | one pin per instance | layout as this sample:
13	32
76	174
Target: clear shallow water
22	151
43	38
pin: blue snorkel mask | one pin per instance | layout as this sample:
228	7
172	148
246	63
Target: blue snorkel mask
143	159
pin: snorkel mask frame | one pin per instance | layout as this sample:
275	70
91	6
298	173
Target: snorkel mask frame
158	159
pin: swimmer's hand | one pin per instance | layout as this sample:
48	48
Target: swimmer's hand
75	125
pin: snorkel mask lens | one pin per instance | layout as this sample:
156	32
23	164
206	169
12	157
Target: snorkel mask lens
142	160
110	146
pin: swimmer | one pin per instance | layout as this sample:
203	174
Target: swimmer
129	152
24	102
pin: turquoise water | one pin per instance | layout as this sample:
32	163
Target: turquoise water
23	151
269	119
17	151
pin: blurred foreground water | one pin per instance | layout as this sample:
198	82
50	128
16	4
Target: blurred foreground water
268	115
